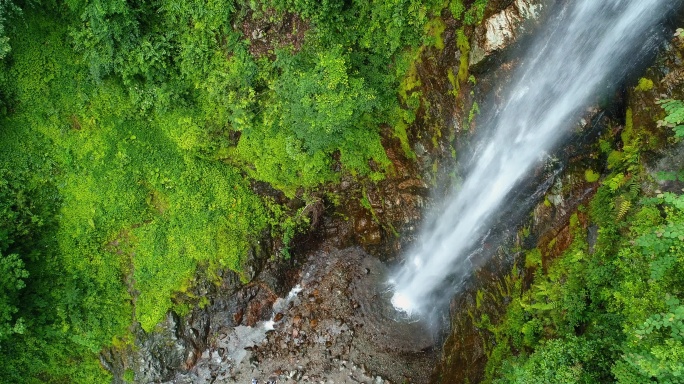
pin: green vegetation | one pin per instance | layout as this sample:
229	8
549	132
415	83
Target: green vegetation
475	13
674	118
644	85
591	176
474	111
610	311
456	8
472	15
464	48
133	133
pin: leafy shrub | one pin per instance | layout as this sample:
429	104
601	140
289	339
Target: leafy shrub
475	13
554	361
316	109
658	349
675	116
456	8
12	275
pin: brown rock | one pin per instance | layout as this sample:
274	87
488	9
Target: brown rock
237	317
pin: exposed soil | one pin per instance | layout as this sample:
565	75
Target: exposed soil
269	31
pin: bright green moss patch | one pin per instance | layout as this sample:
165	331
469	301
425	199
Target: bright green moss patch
401	134
474	111
644	85
435	28
454	83
628	132
464	48
590	176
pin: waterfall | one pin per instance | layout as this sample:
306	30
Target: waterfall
587	46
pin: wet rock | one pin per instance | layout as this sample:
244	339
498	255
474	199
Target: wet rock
349	323
159	353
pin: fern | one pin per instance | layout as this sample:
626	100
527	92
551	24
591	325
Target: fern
634	187
675	116
622	208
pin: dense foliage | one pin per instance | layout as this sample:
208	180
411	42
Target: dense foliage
132	132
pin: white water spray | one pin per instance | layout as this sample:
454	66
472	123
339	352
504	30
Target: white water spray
589	43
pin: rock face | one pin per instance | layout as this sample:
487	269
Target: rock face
156	355
506	27
178	343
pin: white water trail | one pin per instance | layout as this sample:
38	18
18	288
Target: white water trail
584	47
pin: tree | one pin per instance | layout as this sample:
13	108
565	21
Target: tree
323	105
12	275
7	9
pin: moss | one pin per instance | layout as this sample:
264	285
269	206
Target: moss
411	81
435	28
605	146
590	176
479	298
452	80
129	376
615	159
628	133
462	75
533	258
401	134
181	309
475	110
435	169
365	201
552	243
574	222
525	232
644	85
436	136
412	99
464	47
203	302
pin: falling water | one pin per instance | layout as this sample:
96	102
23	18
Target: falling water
587	46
